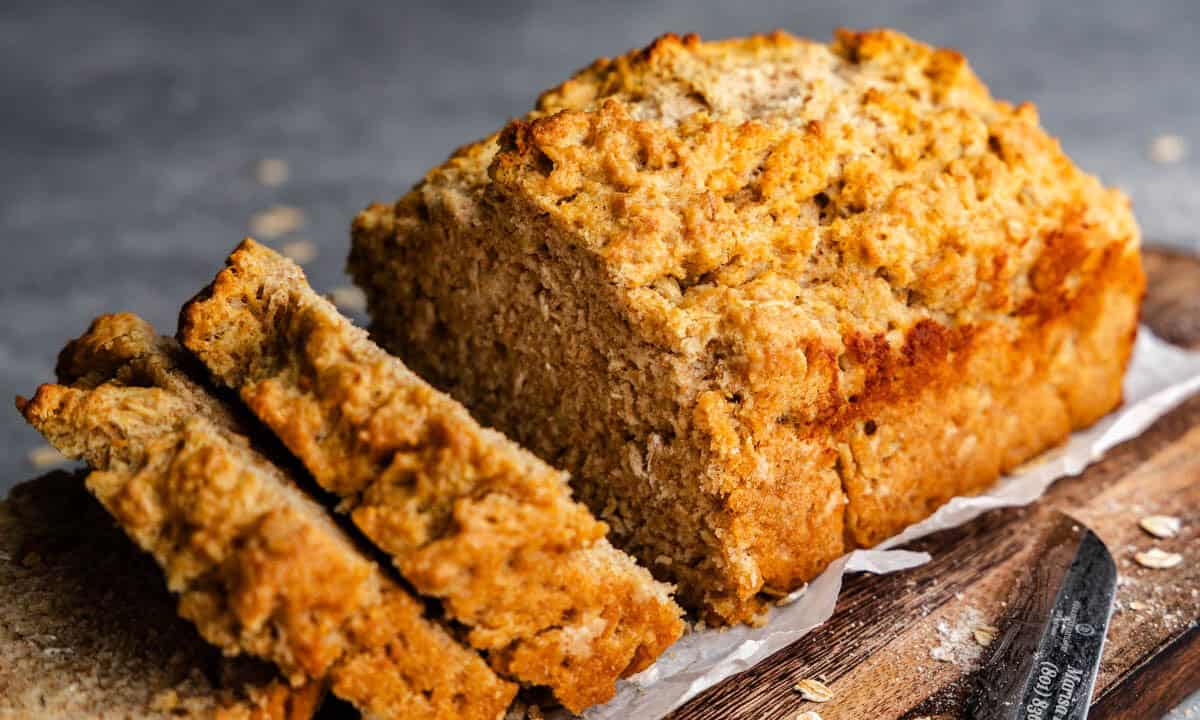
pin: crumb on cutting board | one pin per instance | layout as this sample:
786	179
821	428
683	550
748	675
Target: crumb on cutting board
1157	559
814	690
1161	526
957	641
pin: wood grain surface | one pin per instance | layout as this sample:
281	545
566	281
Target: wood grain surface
877	652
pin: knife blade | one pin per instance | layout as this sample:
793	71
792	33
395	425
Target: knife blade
1044	663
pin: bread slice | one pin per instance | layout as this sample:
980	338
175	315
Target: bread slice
259	568
87	629
766	299
469	517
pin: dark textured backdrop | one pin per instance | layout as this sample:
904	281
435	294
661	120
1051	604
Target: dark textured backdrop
129	132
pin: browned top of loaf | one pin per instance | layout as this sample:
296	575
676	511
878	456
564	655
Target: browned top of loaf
754	197
469	516
260	568
87	629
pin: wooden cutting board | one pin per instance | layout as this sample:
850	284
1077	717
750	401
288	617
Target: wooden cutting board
877	651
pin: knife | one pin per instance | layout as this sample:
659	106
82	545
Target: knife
1044	662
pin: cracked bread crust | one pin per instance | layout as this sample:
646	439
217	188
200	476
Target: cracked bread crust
469	517
258	566
766	299
60	560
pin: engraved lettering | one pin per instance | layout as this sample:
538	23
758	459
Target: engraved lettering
1066	692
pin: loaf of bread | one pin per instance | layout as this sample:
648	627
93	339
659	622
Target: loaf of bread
259	567
766	299
469	517
87	629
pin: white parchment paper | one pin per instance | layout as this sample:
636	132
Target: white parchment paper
1160	376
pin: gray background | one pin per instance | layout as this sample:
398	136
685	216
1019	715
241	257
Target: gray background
129	131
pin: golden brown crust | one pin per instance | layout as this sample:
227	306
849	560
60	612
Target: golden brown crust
60	560
469	517
802	241
259	567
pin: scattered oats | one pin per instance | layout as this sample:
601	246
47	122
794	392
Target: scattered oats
46	457
808	715
1168	149
986	634
1157	559
301	251
349	298
814	690
1138	606
271	172
1161	526
275	221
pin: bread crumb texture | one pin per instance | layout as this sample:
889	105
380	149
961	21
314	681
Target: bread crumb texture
469	517
89	630
766	299
258	567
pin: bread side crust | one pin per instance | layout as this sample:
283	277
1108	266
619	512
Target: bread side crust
259	567
469	517
799	240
